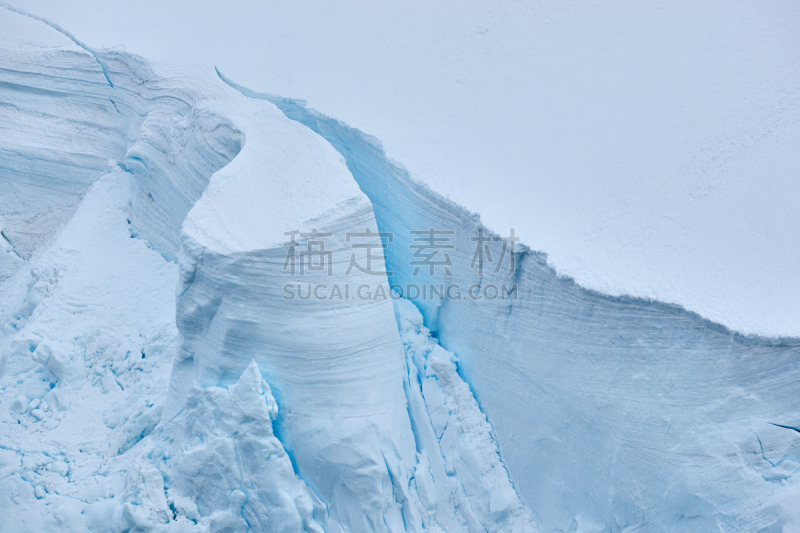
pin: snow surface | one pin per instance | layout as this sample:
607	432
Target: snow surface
660	156
595	395
154	379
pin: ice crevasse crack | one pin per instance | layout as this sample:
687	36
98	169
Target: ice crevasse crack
145	188
590	395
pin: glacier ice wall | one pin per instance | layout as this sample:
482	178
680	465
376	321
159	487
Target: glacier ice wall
155	377
338	383
49	159
142	322
87	313
336	366
63	120
611	413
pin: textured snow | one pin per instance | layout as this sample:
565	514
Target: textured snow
660	155
591	396
459	457
229	471
154	378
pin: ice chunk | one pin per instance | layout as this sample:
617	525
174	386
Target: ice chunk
222	455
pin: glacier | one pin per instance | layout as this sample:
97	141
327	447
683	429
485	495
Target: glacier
155	378
604	390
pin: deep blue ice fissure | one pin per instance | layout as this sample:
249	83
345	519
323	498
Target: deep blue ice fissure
69	36
588	392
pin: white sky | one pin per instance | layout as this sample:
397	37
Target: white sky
650	148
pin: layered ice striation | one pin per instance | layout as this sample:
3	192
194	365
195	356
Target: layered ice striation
155	376
163	368
338	383
611	413
337	366
62	121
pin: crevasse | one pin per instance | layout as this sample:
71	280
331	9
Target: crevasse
610	413
189	173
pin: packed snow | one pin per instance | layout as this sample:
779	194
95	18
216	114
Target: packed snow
647	147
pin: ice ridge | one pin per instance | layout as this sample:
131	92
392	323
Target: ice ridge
590	395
